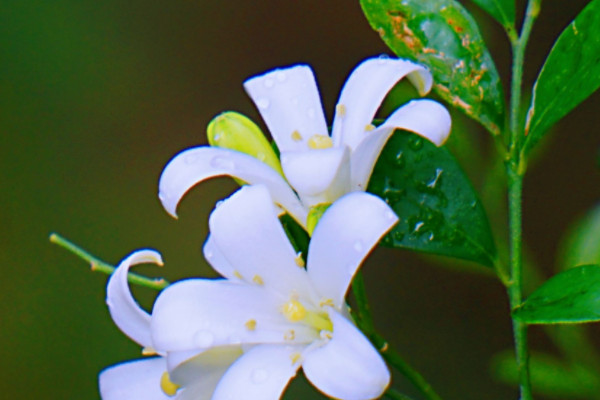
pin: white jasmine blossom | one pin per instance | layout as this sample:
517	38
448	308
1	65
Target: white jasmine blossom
148	379
317	167
282	314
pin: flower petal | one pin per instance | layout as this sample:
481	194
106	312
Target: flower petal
197	164
262	373
344	236
124	310
138	379
201	313
347	367
247	231
426	118
364	92
218	261
212	361
318	176
289	102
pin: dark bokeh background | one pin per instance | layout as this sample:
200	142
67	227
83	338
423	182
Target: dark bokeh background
95	98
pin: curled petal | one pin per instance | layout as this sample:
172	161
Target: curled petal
289	102
319	176
262	373
200	163
248	233
364	92
346	233
426	118
201	313
347	367
138	379
124	310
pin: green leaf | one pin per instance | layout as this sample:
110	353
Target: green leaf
571	296
503	11
570	74
581	244
439	210
550	376
442	35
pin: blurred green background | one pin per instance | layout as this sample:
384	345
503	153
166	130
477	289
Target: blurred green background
96	97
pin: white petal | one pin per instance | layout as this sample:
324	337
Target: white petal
217	260
262	373
134	380
288	100
318	176
247	231
197	164
347	367
344	236
125	312
208	362
424	117
202	313
364	92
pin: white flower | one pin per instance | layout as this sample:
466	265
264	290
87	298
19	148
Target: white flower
317	168
148	379
283	316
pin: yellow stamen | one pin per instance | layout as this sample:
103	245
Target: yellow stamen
290	335
320	321
250	324
326	302
299	260
258	280
237	274
295	357
167	386
296	136
369	127
320	142
294	311
340	110
148	351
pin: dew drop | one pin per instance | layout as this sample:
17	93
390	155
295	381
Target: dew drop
222	163
399	159
191	158
204	338
281	76
418	226
415	143
382	59
358	246
259	376
269	83
261	156
263	103
390	215
162	196
208	254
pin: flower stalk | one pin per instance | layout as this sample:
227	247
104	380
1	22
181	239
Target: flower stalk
100	266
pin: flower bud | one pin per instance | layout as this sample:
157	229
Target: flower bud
234	131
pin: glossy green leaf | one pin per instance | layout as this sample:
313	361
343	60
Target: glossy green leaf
550	376
503	11
570	74
442	35
439	211
581	244
572	296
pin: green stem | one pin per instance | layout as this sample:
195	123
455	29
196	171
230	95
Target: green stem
515	168
395	395
364	321
101	266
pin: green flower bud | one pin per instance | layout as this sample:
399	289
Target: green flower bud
234	131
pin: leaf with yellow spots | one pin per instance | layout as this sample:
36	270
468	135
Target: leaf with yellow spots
442	35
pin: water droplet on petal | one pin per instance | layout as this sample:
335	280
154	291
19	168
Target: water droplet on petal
281	76
269	83
382	59
390	215
415	143
222	163
204	338
259	376
190	158
358	246
261	156
263	103
162	196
